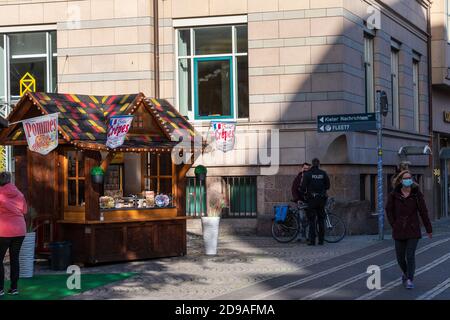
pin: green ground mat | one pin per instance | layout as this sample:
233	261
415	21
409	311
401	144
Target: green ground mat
54	287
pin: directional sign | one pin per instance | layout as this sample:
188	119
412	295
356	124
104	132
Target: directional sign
346	122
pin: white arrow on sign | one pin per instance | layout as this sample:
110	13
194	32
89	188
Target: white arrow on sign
321	119
322	128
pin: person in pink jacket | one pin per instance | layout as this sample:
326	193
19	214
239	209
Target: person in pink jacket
13	208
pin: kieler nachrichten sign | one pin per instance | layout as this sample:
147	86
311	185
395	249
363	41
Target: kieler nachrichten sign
346	122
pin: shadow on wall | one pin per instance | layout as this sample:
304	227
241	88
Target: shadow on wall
335	85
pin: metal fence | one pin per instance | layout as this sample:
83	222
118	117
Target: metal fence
240	193
195	198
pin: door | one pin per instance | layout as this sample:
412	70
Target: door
213	88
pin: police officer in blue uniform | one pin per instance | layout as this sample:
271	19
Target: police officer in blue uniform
315	185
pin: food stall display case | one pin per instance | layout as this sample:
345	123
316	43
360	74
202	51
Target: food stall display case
138	211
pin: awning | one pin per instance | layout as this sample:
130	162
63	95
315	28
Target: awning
83	120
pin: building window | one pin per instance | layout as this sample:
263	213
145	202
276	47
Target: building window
212	71
74	168
138	122
368	189
157	172
369	73
395	88
447	10
33	53
3	82
416	95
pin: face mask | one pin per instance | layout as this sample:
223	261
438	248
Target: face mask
407	182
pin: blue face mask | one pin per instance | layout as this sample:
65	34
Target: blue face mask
407	182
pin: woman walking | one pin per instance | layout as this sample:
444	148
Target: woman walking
405	204
13	207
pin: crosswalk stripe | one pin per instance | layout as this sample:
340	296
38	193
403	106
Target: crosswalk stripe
435	291
363	275
396	282
320	274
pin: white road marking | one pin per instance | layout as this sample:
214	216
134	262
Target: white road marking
397	282
429	295
363	275
320	274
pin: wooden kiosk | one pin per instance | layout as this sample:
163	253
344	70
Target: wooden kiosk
59	185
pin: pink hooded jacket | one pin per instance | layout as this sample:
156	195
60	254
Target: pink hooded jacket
13	207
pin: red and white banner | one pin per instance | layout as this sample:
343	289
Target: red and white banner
224	134
117	130
42	133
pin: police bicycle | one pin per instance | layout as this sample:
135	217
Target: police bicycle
287	227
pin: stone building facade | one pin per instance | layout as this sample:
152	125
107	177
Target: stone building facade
441	110
287	61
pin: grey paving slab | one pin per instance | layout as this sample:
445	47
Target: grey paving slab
257	267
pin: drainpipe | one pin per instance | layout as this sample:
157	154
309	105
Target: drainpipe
156	46
436	198
430	85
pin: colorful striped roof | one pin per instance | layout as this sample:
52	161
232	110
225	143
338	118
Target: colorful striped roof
84	118
171	120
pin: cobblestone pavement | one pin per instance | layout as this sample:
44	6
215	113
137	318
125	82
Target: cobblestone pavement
241	262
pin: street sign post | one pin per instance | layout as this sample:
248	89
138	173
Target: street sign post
346	122
382	106
363	122
380	168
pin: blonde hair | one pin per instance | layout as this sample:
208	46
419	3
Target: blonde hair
398	178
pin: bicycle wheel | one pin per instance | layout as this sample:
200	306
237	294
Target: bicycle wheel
335	229
287	230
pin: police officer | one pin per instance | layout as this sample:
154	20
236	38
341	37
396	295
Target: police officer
315	185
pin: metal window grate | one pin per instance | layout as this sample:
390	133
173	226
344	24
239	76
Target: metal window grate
241	195
195	198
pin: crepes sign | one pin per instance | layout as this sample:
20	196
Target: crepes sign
224	135
42	133
117	130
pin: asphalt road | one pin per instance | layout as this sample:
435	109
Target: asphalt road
345	277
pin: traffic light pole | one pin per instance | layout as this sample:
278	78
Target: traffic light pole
380	202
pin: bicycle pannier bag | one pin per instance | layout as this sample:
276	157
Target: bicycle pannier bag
281	213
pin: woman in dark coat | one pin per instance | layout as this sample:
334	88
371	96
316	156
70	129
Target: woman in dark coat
403	208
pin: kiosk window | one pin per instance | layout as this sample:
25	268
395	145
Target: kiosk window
75	179
158	173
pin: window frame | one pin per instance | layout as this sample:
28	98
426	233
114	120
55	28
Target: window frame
77	178
49	55
369	72
447	20
416	94
191	57
395	87
196	96
145	165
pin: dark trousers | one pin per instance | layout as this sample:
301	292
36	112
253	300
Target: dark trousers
406	256
13	244
316	218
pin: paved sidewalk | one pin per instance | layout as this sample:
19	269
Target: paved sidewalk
241	262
